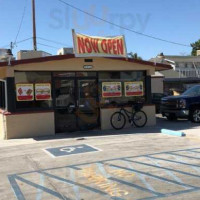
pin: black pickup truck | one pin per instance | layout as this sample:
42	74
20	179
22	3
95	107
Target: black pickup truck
186	105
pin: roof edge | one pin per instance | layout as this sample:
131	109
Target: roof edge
70	56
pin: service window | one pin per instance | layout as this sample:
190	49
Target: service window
33	90
121	87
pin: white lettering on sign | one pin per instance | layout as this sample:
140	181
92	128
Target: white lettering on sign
70	149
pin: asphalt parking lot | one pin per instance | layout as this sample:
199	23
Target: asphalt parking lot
123	165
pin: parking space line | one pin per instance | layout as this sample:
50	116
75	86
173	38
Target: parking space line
191	157
74	183
75	187
37	186
177	159
195	168
171	194
177	162
135	186
165	168
114	159
141	177
155	176
168	172
103	171
39	191
16	189
194	151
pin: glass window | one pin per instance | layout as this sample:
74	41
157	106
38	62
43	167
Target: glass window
2	95
33	78
123	77
193	92
86	74
64	74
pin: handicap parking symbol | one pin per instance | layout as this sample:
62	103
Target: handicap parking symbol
70	150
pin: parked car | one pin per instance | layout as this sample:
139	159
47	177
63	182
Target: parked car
156	99
186	105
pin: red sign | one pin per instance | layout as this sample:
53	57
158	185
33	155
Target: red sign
24	92
99	46
42	91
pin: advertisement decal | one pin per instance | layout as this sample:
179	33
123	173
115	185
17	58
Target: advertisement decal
134	89
42	91
111	89
24	92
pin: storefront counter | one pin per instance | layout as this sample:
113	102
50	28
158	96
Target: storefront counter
106	114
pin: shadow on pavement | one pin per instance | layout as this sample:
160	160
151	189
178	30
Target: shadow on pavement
162	123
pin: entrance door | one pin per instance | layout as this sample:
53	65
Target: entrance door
88	111
65	105
75	104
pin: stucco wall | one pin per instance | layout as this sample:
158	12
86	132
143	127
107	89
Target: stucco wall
2	130
157	85
107	113
76	64
30	125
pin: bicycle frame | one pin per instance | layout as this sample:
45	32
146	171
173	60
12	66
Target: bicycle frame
127	113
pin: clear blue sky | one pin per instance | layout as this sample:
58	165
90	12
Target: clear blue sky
176	20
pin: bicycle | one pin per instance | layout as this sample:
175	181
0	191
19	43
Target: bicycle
137	117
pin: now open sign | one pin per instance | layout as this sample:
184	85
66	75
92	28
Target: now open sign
70	150
85	45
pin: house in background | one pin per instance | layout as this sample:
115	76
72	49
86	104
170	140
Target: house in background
185	72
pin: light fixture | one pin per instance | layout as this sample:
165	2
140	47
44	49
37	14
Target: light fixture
9	56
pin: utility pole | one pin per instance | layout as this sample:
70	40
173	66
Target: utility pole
34	26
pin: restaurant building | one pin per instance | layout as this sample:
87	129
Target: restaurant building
65	93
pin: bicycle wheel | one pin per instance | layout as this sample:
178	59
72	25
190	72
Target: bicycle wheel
139	119
118	120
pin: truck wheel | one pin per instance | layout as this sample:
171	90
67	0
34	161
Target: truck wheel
172	117
195	115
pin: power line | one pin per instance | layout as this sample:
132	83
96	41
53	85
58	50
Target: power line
47	45
52	41
24	40
130	30
30	38
20	25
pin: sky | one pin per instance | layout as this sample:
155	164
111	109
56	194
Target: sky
176	21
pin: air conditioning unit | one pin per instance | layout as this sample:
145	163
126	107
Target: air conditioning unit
28	54
65	51
6	55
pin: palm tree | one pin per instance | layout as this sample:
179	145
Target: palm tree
134	56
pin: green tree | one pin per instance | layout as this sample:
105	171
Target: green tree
195	46
134	56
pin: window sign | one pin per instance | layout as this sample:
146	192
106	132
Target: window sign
111	89
42	91
134	89
25	92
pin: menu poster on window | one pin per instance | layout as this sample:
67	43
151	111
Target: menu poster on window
111	89
25	92
134	89
42	91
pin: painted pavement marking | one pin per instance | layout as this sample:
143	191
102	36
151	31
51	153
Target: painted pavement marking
105	184
70	150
